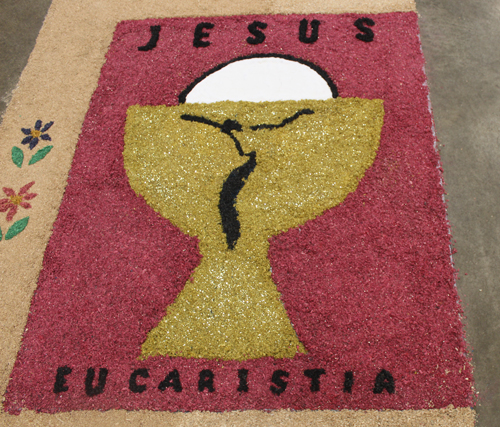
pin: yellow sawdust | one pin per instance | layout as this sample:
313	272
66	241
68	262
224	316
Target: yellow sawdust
230	308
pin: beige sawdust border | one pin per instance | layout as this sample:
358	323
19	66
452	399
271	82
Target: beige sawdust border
57	84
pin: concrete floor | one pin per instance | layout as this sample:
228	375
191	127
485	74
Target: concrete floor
463	62
460	43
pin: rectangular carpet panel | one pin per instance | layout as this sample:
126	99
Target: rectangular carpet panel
253	220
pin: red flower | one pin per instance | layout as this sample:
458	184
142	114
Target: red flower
15	200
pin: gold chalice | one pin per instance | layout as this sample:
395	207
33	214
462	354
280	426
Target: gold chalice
234	174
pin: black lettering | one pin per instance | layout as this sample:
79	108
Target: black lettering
276	379
171	380
348	381
199	34
384	381
59	386
243	376
367	35
259	35
101	382
314	374
132	382
206	381
155	35
303	31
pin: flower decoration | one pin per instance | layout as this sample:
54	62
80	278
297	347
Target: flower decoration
12	203
37	133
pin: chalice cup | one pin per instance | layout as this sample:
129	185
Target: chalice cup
234	174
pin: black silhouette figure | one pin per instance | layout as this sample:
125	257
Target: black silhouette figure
237	178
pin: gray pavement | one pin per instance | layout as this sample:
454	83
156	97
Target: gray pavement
20	22
459	40
460	43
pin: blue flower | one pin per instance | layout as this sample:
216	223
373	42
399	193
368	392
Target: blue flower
34	135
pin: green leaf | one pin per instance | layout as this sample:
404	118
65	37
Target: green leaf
0	234
16	228
17	156
40	154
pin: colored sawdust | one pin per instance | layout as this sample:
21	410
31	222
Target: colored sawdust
368	286
230	308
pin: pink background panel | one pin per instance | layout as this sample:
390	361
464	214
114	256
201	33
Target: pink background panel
368	285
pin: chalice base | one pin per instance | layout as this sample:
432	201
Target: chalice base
229	309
